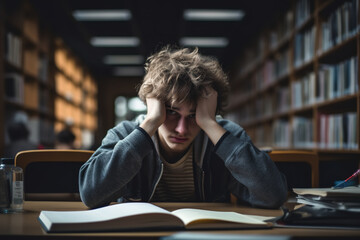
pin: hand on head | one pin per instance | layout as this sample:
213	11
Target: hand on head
156	110
206	107
156	115
205	111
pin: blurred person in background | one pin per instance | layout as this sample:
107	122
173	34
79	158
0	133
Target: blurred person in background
65	139
18	133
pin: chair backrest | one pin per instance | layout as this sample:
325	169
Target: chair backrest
51	174
289	162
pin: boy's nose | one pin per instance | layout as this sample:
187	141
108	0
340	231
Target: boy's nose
182	126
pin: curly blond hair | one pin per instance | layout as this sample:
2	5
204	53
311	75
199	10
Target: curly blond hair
181	75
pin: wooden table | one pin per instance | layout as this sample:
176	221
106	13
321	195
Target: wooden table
25	225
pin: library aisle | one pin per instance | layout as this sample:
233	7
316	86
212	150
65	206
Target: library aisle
297	87
44	84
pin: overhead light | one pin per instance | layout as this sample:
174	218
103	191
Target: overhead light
128	71
115	41
102	15
123	59
213	15
204	41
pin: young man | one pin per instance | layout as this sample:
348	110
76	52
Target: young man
180	151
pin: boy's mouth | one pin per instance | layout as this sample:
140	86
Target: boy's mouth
178	139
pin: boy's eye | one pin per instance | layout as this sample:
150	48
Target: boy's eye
192	115
171	112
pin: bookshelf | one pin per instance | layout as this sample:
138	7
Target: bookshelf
29	79
297	85
76	96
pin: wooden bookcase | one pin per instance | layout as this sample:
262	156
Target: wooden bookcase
28	79
297	86
76	96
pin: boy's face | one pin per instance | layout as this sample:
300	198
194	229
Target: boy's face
179	129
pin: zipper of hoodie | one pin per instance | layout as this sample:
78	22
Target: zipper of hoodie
202	185
157	181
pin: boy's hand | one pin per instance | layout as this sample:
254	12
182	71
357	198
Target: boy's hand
206	113
156	115
206	108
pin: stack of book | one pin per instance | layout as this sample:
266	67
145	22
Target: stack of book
325	207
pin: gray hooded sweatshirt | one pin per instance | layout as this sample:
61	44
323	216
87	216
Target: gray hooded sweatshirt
127	167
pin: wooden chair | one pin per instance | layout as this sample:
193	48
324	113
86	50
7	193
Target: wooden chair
51	174
291	156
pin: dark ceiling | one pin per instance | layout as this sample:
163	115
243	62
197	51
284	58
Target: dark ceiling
155	23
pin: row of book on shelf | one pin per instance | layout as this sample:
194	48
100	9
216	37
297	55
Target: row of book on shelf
334	131
340	25
333	81
335	27
337	79
272	70
28	58
27	94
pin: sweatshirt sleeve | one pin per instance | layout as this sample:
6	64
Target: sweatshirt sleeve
103	178
255	177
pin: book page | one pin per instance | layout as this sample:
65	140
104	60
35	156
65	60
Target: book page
189	215
103	214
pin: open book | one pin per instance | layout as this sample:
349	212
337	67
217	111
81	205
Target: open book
143	216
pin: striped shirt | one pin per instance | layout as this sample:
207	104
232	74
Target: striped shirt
177	182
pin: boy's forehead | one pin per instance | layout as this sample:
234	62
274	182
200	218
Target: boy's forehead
182	105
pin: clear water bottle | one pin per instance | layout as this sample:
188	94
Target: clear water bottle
12	185
4	191
17	189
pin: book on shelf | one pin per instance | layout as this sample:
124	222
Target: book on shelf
302	130
338	131
282	99
337	80
304	46
340	25
14	87
303	11
281	133
303	91
144	216
13	49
